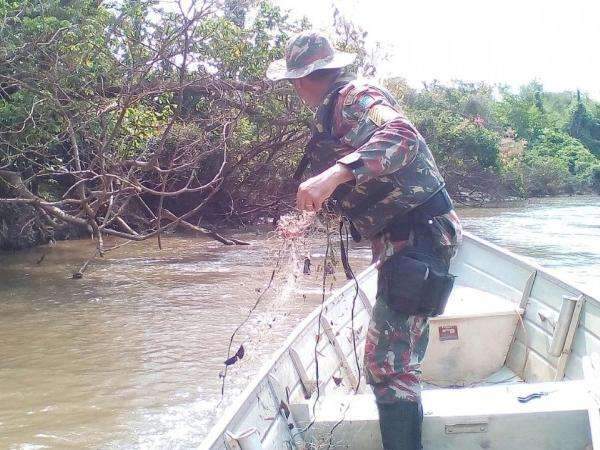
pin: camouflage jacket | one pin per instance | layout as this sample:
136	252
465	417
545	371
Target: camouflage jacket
375	141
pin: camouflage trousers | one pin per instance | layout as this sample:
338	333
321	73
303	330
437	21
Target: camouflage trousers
396	342
394	348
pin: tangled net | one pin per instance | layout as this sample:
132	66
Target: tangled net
296	231
295	225
295	234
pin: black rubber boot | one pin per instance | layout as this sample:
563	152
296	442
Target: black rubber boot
400	425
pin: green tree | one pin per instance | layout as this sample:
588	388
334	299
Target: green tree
134	107
568	164
585	126
522	112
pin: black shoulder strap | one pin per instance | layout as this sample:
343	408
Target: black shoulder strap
302	166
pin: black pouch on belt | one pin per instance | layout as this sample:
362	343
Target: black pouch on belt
414	283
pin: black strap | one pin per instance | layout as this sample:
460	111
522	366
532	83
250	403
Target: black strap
440	203
344	252
400	227
302	165
325	111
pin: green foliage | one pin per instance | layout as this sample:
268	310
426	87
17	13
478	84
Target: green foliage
584	126
140	124
62	52
596	179
513	177
554	161
545	175
519	137
558	162
242	49
522	112
473	141
456	121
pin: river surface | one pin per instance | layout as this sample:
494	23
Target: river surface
129	356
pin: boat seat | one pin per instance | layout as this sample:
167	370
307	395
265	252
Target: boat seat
466	301
487	417
470	341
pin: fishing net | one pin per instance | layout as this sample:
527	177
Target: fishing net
296	236
296	263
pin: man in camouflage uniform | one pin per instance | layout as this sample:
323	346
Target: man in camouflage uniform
371	141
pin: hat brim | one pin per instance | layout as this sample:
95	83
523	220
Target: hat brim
278	70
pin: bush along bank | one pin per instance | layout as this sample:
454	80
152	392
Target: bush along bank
492	143
24	226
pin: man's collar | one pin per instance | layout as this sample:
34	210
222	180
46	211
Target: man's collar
322	120
342	79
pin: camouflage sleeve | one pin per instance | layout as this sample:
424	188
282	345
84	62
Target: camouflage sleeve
371	123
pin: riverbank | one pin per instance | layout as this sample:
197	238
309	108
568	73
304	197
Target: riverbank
21	225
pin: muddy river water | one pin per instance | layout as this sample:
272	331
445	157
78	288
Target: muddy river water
129	356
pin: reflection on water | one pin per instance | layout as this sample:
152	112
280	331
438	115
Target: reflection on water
129	356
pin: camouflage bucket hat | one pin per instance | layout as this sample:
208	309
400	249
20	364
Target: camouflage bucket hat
305	53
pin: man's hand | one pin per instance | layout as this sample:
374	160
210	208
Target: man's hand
313	192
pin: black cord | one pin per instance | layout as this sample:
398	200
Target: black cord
318	339
349	271
232	337
323	287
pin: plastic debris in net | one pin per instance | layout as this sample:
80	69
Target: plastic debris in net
235	358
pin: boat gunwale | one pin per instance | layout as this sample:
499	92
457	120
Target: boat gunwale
526	263
233	410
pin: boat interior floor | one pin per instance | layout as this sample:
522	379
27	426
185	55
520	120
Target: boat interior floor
464	407
485	415
502	376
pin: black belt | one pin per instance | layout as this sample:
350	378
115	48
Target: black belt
400	228
439	204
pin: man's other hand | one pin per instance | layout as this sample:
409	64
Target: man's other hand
316	190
